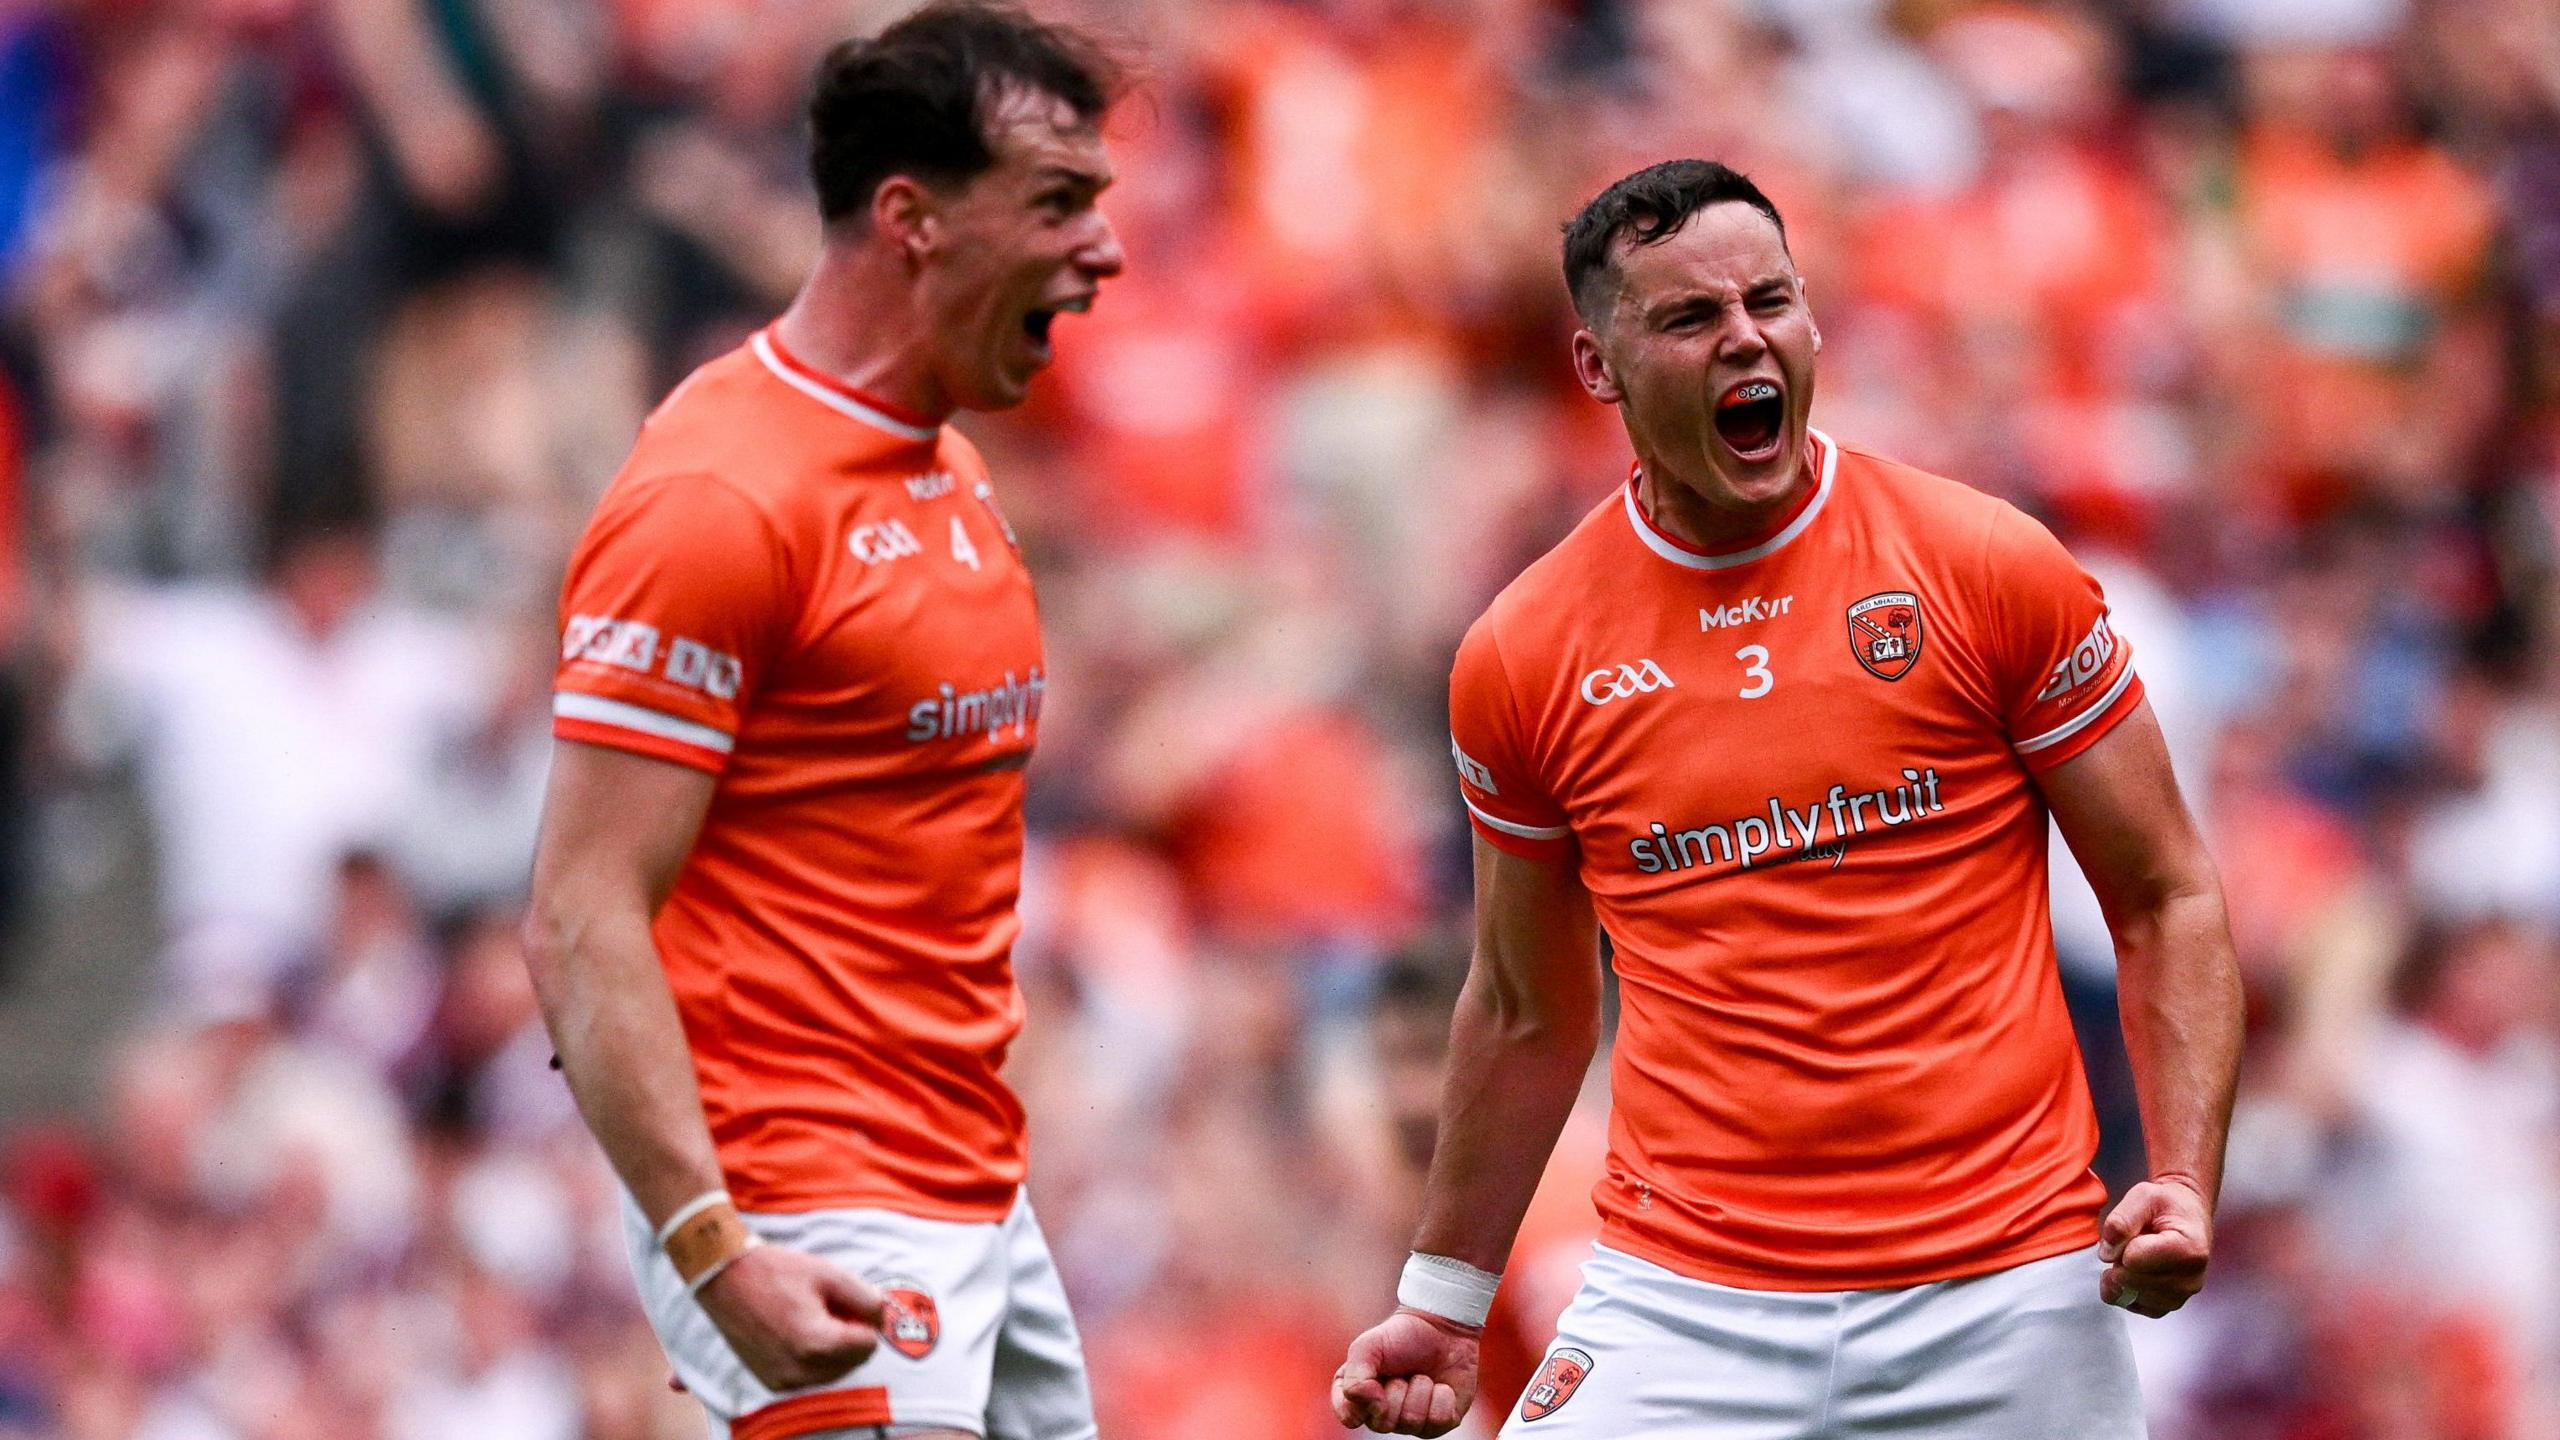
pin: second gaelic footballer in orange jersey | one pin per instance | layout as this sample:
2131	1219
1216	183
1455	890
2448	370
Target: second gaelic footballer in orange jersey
1786	719
800	675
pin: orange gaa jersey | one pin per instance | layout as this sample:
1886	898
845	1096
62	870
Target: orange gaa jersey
814	598
1798	780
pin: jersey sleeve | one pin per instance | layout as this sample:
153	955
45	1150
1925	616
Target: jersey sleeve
1505	802
2064	676
676	598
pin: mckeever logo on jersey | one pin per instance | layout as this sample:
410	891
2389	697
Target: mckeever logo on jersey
1743	612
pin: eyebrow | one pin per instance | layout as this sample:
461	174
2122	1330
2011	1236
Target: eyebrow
1692	297
1098	179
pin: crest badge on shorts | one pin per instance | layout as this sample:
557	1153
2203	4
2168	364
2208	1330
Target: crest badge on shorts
1563	1374
1884	633
909	1320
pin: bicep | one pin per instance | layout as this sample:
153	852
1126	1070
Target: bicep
616	825
1537	944
2118	807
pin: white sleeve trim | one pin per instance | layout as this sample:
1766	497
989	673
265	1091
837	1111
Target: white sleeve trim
2077	723
1525	832
572	705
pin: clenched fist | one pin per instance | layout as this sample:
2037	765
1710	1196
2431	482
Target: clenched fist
1411	1374
2156	1243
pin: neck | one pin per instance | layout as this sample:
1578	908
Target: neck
855	321
1692	519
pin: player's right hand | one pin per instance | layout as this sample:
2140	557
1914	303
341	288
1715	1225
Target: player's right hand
1411	1374
794	1319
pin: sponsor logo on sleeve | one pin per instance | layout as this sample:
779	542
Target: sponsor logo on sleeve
986	494
610	640
1557	1380
1472	770
909	1320
932	485
697	666
1884	633
1617	682
2086	662
632	645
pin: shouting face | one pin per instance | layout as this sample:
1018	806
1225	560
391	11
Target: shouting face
1705	345
1012	248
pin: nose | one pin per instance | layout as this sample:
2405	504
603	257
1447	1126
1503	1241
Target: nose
1742	341
1101	257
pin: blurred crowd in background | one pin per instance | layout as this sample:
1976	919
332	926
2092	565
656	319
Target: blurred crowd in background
323	322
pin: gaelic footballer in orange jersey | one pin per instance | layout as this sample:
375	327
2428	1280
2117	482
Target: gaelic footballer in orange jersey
1786	721
1880	679
772	914
842	631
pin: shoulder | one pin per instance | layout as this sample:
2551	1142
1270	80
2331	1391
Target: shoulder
1917	497
1966	535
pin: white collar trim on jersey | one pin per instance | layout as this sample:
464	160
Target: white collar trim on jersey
837	400
1679	554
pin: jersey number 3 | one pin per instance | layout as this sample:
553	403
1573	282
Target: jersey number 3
1755	669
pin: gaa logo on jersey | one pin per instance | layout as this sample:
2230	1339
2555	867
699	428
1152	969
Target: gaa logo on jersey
1884	633
1563	1374
909	1320
1606	683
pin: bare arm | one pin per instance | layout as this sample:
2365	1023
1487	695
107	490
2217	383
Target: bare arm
616	828
1526	1025
2118	806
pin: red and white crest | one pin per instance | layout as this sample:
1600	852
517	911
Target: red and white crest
909	1320
1884	633
1563	1374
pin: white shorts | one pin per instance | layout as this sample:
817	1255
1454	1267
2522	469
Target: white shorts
977	1338
2029	1353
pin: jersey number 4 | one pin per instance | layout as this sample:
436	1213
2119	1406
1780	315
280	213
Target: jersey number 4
961	548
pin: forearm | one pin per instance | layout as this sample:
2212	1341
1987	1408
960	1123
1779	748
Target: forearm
613	1021
1512	1078
2178	984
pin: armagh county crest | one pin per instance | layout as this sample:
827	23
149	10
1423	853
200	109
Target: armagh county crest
1563	1374
1884	633
909	1320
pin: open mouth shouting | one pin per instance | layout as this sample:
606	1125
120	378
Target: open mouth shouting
1037	320
1751	419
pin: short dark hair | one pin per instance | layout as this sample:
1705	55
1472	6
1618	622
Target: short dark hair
1649	206
916	98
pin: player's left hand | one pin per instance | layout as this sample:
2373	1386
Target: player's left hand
2156	1243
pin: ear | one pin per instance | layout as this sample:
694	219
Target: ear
907	215
1592	369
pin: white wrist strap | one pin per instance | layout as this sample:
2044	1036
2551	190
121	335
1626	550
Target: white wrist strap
1450	1289
688	1210
694	1287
